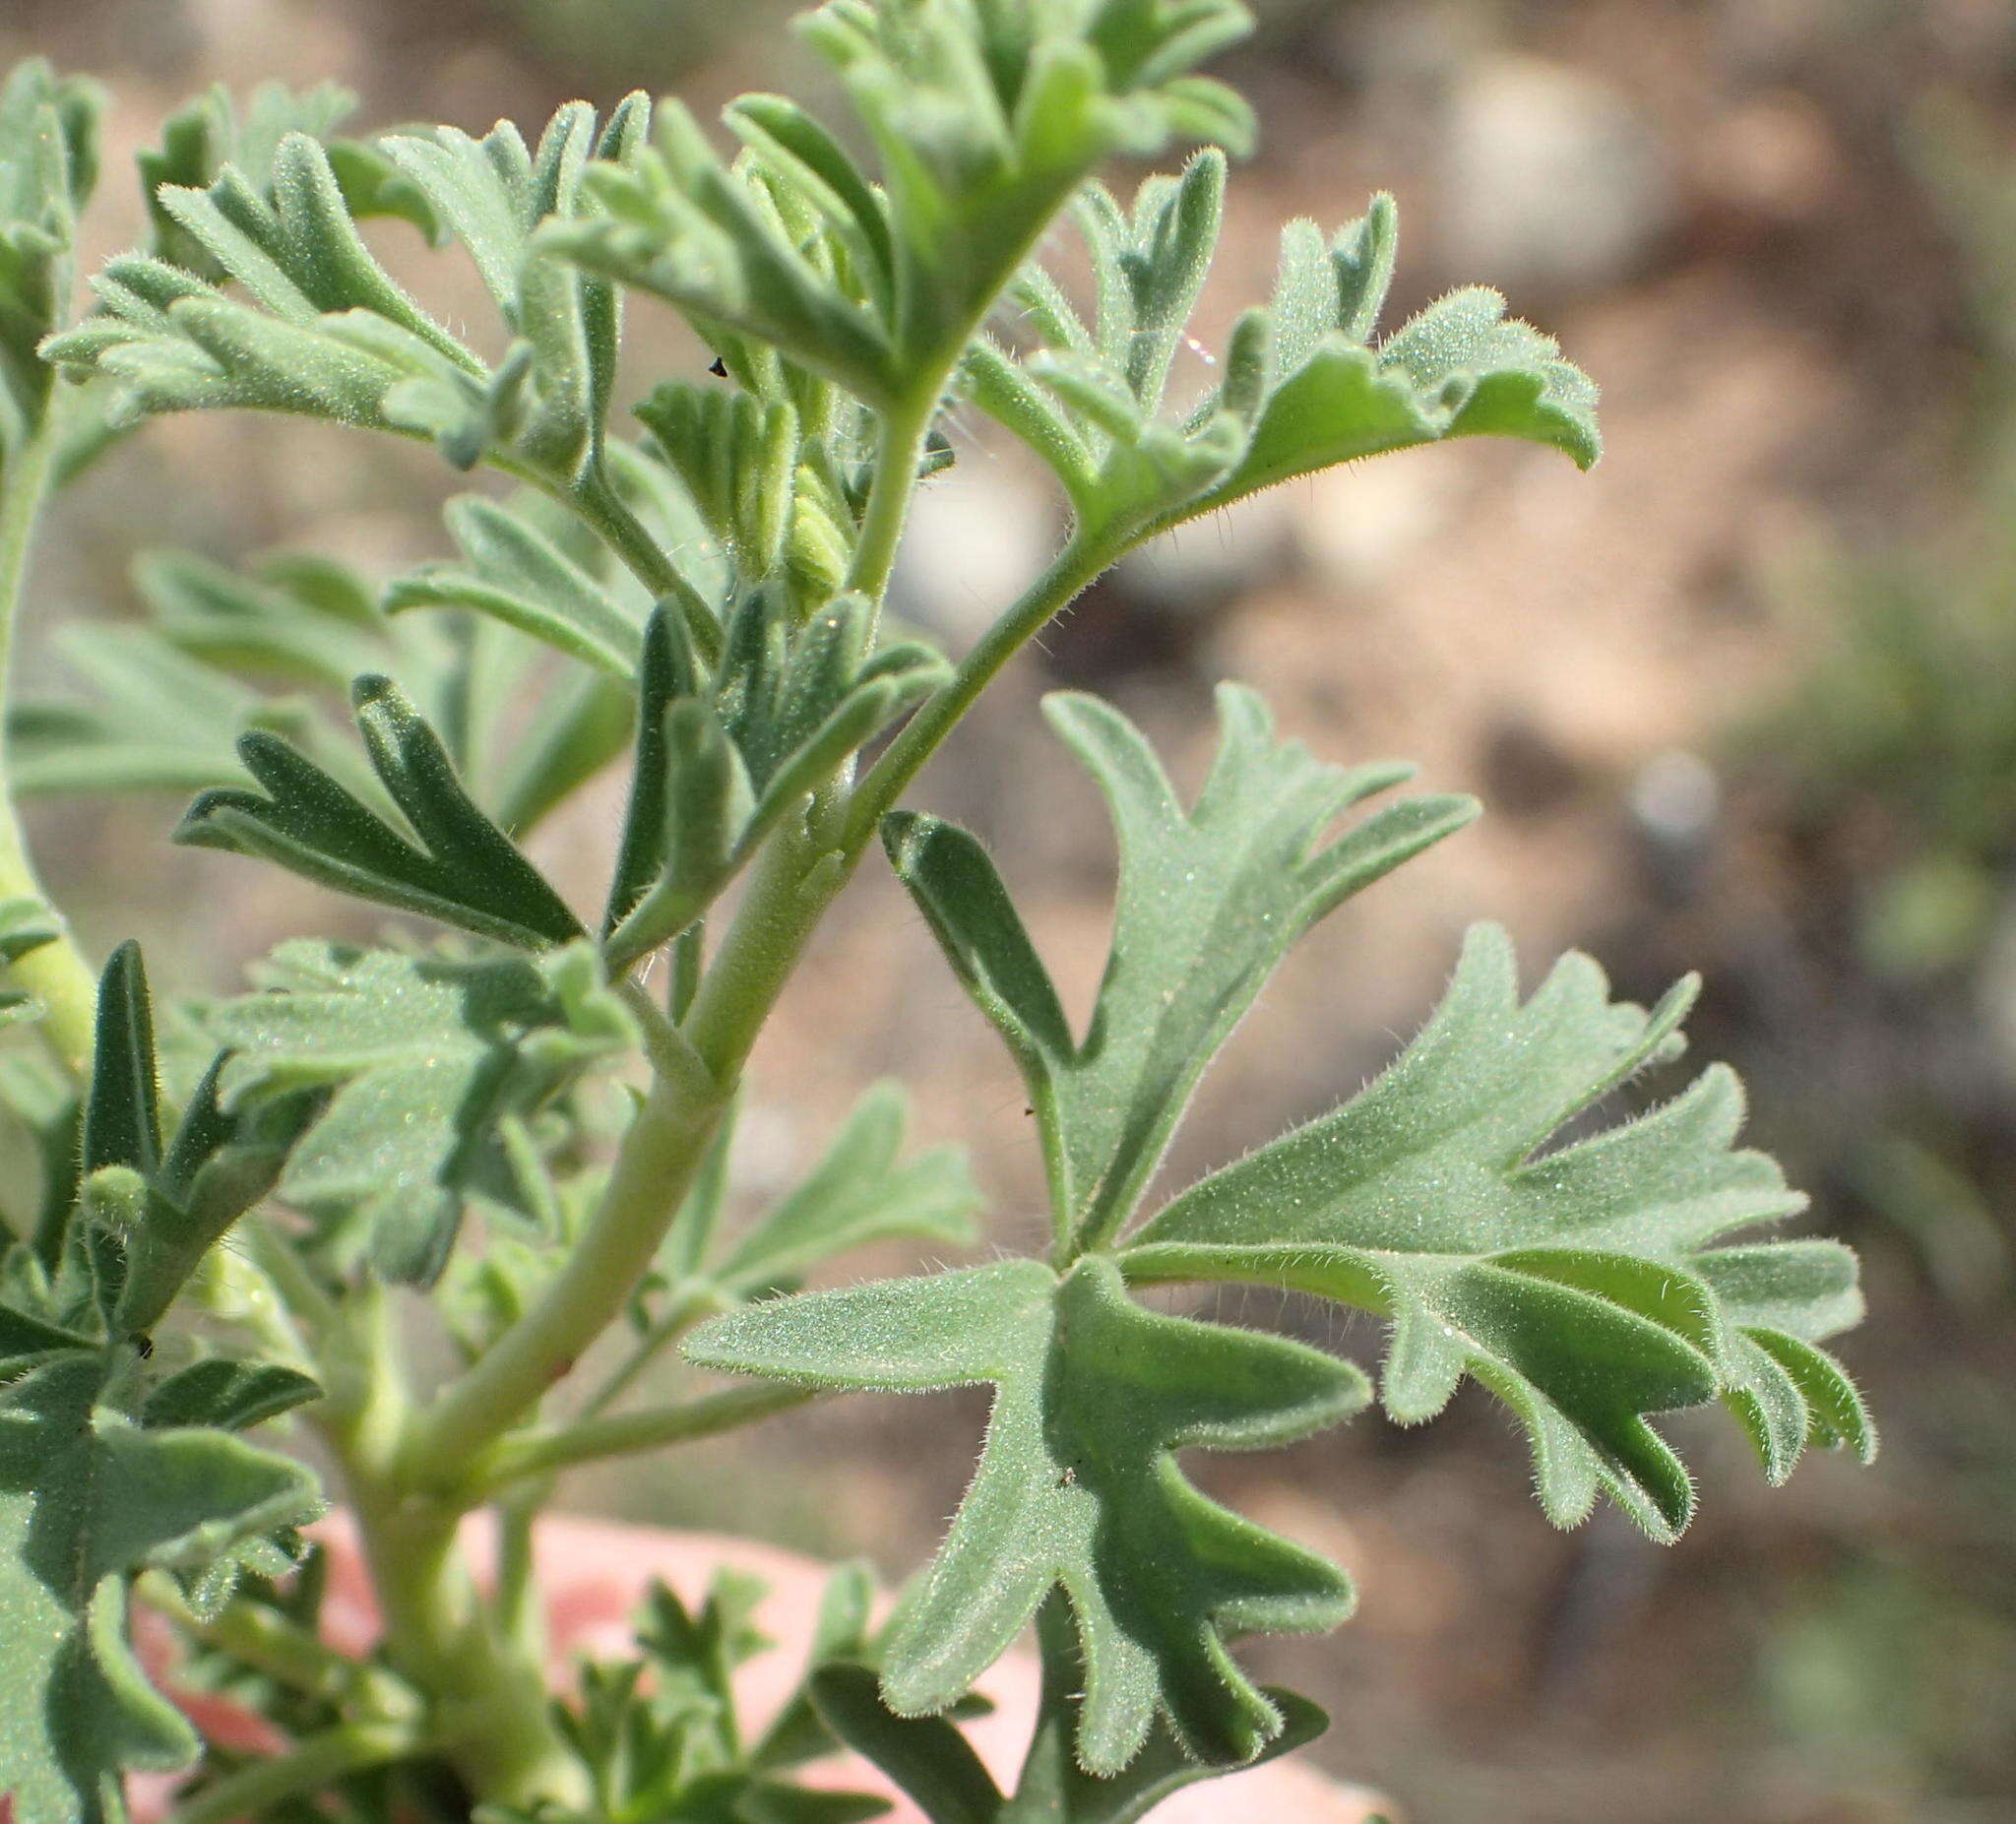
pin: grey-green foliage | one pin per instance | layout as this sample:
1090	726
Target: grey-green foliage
225	652
932	1762
320	328
213	133
694	578
1305	384
985	115
1078	1487
664	1737
48	168
433	1067
1586	1285
90	1493
1211	899
110	1464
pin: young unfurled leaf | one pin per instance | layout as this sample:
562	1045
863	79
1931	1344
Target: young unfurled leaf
517	575
1078	1487
430	1060
87	1498
48	168
878	289
662	1738
1304	385
1210	901
1587	1286
456	866
720	761
857	1194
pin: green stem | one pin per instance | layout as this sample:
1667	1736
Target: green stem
258	1637
596	499
897	453
685	1309
663	1148
56	972
565	1447
1070	573
310	1767
521	1618
487	1707
667	1144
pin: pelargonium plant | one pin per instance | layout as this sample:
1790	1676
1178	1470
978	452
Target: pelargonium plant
521	1100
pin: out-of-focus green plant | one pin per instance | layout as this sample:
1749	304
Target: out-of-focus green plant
1902	722
512	1121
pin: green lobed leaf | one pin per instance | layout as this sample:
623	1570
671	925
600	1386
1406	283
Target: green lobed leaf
1305	386
201	140
1585	1284
170	699
1078	1487
933	1763
492	195
48	168
456	866
314	325
984	122
1211	899
427	1062
518	575
88	1497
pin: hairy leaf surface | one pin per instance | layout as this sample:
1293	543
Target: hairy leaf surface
429	1063
1078	1487
456	866
1210	901
1305	386
1582	1284
48	168
87	1498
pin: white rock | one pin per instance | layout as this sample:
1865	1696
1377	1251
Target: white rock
1551	178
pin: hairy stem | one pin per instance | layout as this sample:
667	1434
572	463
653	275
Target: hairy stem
56	972
1070	573
595	500
310	1767
545	1453
897	453
487	1709
663	1149
666	1143
685	1308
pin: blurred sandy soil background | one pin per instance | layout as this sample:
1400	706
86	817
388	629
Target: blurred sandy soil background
1745	699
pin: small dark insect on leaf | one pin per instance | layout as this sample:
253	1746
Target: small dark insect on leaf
718	368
